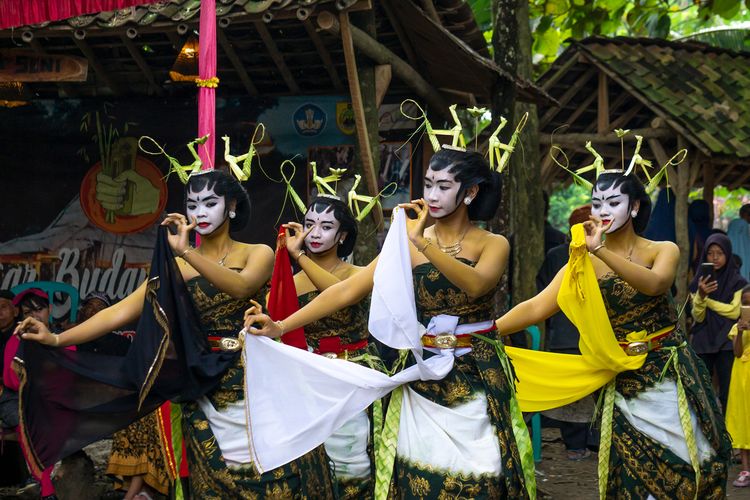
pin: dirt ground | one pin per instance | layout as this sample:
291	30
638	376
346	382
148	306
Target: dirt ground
557	477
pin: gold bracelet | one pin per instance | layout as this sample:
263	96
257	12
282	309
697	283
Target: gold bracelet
280	324
599	247
427	243
300	254
188	249
57	340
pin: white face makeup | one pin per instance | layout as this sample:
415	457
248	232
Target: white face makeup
208	208
325	231
441	192
611	205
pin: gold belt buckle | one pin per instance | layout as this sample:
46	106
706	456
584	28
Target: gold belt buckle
636	348
229	344
445	341
329	355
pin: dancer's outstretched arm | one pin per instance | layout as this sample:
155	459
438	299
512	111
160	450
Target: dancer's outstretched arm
342	294
105	321
532	311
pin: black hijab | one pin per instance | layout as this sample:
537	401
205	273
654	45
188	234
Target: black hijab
710	335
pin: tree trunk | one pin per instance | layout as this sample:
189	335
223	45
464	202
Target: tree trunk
505	49
527	222
366	248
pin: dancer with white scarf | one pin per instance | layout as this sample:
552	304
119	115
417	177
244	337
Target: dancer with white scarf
451	409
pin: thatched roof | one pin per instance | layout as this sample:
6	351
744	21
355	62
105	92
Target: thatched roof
700	92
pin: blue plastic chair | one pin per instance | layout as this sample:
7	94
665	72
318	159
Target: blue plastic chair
536	420
50	287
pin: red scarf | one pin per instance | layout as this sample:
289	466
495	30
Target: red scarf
282	299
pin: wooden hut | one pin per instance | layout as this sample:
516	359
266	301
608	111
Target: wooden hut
675	95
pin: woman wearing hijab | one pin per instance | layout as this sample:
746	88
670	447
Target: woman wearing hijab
739	233
716	307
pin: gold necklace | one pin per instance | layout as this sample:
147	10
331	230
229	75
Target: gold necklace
221	261
452	249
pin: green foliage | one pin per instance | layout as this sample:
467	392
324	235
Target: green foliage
563	201
554	21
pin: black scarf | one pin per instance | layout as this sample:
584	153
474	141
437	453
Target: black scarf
70	399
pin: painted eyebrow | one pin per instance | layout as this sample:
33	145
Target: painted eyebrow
599	198
195	200
447	181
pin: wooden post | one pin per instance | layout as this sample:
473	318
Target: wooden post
368	167
681	191
374	50
708	187
602	109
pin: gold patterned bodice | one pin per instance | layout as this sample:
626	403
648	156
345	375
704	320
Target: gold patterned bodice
219	313
631	311
350	323
436	295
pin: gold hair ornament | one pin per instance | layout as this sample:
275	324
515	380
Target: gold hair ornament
243	173
356	200
500	152
323	183
455	133
183	171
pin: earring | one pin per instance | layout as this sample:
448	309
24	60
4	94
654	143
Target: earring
232	214
341	241
467	200
634	213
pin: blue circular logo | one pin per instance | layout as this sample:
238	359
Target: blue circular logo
309	120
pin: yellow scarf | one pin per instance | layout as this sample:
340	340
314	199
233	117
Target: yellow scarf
549	380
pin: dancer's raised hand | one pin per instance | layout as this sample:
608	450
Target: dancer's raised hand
415	227
295	238
180	241
594	229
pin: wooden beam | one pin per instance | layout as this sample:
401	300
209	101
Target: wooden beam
174	39
740	180
429	8
403	38
142	64
723	173
365	153
69	90
708	187
572	61
567	96
277	57
610	138
98	68
695	171
325	56
622	120
682	191
234	59
382	55
582	108
382	82
602	108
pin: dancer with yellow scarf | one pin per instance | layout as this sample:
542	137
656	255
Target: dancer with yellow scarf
662	433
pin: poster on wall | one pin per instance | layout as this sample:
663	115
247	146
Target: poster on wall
85	208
